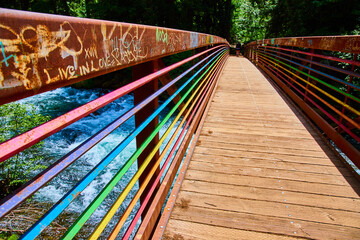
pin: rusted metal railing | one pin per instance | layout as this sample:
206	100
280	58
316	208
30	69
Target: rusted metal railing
321	74
41	52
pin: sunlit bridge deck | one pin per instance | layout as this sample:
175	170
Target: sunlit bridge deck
261	170
204	147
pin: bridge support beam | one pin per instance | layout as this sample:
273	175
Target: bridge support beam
140	94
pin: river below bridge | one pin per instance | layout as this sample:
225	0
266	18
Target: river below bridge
62	100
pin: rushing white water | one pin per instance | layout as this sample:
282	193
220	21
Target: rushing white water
62	100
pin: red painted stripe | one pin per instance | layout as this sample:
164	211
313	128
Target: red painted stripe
318	55
347	130
25	140
148	196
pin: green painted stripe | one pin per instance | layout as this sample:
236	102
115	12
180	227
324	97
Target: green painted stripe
81	220
306	74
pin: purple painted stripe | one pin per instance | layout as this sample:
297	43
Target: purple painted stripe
321	65
41	179
347	130
25	140
357	63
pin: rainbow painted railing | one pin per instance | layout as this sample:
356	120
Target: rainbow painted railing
321	74
42	52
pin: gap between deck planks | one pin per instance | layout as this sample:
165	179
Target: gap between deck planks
261	171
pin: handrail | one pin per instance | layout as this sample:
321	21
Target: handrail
43	52
321	75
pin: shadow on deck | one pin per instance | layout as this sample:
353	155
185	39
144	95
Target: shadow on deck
261	170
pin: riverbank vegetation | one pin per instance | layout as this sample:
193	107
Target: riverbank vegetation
17	118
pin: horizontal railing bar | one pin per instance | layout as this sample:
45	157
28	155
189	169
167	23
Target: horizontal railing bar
27	139
161	224
111	212
348	44
65	200
319	89
144	184
339	140
63	50
309	75
312	85
356	63
75	227
308	79
321	65
41	179
315	104
149	220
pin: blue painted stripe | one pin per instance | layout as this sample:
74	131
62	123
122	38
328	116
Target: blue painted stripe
319	72
53	170
41	224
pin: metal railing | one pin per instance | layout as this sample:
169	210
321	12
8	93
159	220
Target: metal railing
42	52
321	74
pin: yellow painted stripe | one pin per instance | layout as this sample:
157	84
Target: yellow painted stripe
326	103
319	89
133	202
99	229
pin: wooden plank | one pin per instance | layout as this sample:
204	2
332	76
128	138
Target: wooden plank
261	140
279	132
283	147
264	155
266	224
273	183
264	148
283	210
261	170
185	230
235	122
275	165
253	114
272	195
274	173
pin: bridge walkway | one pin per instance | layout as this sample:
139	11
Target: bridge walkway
261	170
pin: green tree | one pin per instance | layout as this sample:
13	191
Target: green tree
292	18
17	118
251	18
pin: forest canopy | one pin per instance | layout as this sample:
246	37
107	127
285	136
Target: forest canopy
235	20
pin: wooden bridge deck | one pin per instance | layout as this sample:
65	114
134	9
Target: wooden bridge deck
261	171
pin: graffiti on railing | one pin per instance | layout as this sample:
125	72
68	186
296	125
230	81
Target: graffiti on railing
40	52
23	51
32	44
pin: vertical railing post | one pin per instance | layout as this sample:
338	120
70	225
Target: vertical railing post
140	94
276	63
348	87
193	62
256	54
252	53
308	78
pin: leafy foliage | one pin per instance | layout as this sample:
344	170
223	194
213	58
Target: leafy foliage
251	19
8	236
209	16
235	20
16	118
259	19
314	18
